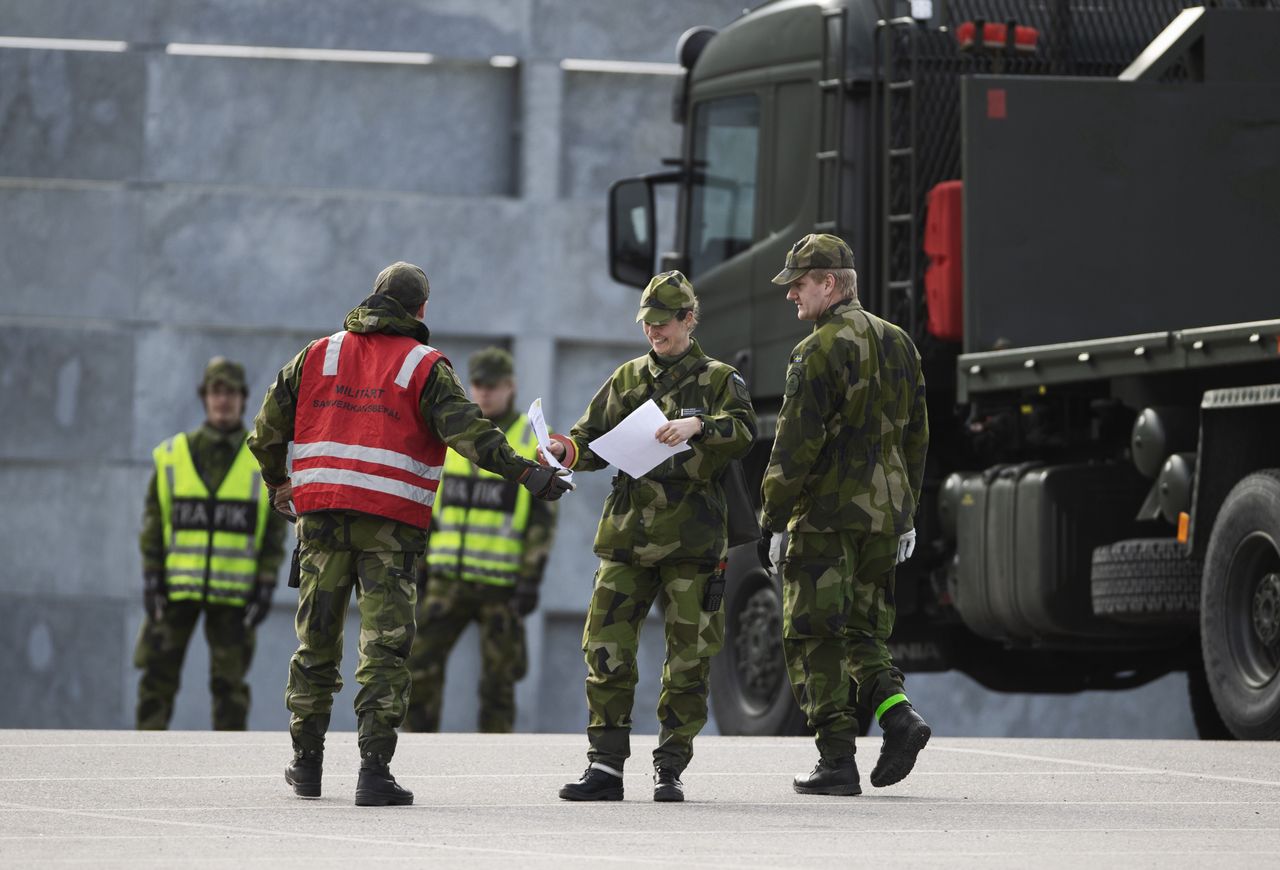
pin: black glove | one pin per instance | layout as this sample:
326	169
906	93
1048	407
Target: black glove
525	599
545	483
259	604
154	594
420	578
762	550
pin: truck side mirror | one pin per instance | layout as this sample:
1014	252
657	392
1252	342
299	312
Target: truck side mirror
631	231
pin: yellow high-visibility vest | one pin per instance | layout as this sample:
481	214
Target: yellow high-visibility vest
211	541
480	518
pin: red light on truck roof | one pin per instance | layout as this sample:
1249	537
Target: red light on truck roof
996	35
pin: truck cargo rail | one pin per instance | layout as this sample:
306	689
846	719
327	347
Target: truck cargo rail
1147	353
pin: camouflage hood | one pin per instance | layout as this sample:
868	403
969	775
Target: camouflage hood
381	313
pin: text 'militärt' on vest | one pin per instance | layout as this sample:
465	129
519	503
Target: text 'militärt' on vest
360	443
212	540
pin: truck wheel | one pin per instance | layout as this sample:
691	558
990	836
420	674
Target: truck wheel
1240	608
1146	580
1209	725
750	691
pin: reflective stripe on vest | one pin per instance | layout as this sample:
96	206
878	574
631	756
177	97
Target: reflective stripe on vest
211	541
481	519
360	443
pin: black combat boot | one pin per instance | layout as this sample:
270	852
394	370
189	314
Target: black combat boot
667	786
905	734
834	776
595	785
376	787
304	772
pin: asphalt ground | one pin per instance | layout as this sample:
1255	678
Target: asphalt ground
205	799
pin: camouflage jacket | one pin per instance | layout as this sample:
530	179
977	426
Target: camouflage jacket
213	452
444	407
852	432
676	512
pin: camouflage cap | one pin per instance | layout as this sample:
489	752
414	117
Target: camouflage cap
405	283
490	365
221	370
666	294
815	251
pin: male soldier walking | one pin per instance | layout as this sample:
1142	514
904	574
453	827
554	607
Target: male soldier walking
488	547
370	410
210	544
844	480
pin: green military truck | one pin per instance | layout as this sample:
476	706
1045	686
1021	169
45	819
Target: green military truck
1074	208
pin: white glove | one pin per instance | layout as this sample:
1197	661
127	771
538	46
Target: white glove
906	546
775	552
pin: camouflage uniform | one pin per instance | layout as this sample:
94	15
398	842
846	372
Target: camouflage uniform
454	601
844	479
448	607
162	643
346	550
662	536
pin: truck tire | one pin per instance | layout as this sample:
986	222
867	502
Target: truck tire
1240	608
1146	580
1209	725
750	691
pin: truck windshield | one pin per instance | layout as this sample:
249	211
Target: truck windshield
722	196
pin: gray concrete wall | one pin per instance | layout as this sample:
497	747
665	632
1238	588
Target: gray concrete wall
157	209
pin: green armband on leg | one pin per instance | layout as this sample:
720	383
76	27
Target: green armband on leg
889	702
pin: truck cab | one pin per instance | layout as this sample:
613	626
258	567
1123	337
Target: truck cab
1071	212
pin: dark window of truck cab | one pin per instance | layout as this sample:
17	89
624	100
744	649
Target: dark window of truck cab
722	195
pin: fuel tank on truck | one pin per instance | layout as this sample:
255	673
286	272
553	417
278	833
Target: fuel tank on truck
1026	535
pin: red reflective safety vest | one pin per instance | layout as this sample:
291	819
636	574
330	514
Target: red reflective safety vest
360	443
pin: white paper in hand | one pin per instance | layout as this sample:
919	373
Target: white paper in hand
631	446
540	431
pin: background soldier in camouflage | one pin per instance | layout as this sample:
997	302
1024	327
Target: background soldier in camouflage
662	536
844	480
486	560
235	608
343	550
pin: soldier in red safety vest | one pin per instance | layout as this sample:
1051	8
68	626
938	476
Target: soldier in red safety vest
369	410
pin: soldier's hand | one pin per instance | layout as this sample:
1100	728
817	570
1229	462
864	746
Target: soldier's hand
561	448
259	604
546	483
906	546
764	550
675	432
525	599
281	496
154	594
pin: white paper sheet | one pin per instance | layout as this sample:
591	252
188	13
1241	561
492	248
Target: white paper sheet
540	431
631	446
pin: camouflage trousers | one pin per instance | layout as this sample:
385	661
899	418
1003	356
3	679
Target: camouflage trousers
386	593
162	647
838	613
445	612
620	601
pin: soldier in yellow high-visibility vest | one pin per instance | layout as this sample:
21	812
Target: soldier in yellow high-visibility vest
210	544
488	549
